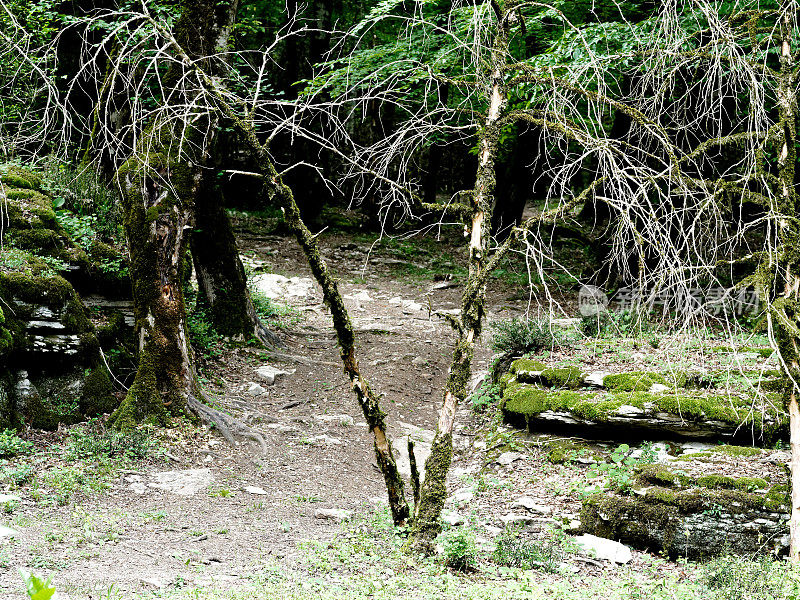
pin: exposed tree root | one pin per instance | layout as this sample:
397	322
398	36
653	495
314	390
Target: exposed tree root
229	427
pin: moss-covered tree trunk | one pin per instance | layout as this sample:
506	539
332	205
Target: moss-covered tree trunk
367	400
434	488
160	185
784	263
221	277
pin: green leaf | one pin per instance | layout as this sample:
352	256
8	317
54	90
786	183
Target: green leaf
36	588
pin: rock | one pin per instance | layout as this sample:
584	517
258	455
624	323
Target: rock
324	439
511	519
604	549
333	514
695	447
659	388
361	296
696	523
492	530
595	379
341	420
254	389
418	361
270	374
183	483
463	495
410	308
8	498
396	300
452	518
506	458
531	505
275	286
251	489
626	410
6	533
781	457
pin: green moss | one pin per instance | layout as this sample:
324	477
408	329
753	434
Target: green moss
778	498
526	364
569	377
525	399
635	381
97	395
714	482
661	475
736	450
143	403
505	379
20	177
750	484
561	451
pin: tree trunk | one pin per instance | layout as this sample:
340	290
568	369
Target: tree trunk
160	186
784	309
434	489
221	278
155	225
367	399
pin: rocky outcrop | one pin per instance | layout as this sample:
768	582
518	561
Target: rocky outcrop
693	518
51	368
632	405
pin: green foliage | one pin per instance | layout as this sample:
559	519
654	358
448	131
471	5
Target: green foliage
547	554
624	323
520	336
95	203
459	550
202	333
12	445
36	588
620	473
486	395
737	578
272	314
92	440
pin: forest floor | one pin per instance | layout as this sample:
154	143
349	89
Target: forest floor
249	523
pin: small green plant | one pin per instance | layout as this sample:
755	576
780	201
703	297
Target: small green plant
12	445
93	440
202	333
620	473
486	395
36	588
459	550
521	336
547	554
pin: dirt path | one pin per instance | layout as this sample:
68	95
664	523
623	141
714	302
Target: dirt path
245	509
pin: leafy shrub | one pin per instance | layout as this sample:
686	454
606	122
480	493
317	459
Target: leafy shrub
459	549
546	554
519	336
738	578
36	588
12	445
93	440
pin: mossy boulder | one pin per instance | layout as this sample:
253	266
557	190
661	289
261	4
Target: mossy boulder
635	381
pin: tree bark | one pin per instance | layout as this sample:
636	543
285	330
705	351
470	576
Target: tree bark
160	186
434	488
784	309
221	277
